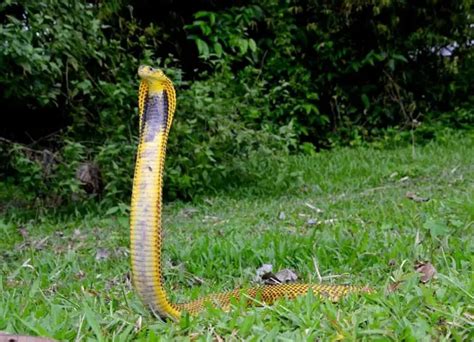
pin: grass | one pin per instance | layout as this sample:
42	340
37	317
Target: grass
346	219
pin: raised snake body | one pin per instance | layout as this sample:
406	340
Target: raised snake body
157	103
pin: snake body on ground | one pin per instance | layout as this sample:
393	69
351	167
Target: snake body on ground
157	104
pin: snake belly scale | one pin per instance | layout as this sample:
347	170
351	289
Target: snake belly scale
157	103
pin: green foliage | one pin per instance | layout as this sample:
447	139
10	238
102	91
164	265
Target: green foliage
254	81
48	177
63	27
342	70
225	37
212	144
210	148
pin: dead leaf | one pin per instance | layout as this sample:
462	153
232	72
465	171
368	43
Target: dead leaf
188	212
102	254
265	275
265	268
469	316
414	197
218	337
39	245
121	252
22	338
48	161
392	287
286	276
262	272
210	218
194	336
316	209
80	275
90	177
404	179
24	232
270	279
138	324
427	271
52	289
196	280
13	282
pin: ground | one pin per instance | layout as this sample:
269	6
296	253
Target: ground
384	217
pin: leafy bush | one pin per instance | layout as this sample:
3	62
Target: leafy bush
46	176
212	142
210	147
254	80
341	69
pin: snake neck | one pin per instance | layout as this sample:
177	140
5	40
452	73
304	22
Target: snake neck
146	206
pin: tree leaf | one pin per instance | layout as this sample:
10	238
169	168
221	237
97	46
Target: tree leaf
252	45
202	48
365	100
436	228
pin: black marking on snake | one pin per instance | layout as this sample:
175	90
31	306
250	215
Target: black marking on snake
155	118
144	109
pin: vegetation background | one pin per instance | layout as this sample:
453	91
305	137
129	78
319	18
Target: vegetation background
255	79
333	138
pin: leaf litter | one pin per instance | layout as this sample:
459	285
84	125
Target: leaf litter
414	197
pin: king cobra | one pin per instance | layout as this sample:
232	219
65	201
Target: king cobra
156	105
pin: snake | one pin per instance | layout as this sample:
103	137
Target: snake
156	107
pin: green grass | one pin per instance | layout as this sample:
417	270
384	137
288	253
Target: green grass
367	232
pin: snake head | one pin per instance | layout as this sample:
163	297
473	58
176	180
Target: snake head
155	78
148	72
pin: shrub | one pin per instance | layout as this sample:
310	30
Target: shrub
254	81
